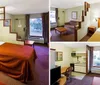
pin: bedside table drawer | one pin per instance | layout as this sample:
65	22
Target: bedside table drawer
91	29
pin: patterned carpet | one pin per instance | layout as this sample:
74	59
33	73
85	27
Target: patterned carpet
87	80
42	65
74	82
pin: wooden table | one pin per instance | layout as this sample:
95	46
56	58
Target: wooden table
63	69
61	30
62	80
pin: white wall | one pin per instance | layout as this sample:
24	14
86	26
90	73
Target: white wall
8	16
67	59
69	13
61	15
79	50
52	58
6	36
84	26
14	25
95	14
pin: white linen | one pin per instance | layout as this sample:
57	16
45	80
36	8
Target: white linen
98	30
1	42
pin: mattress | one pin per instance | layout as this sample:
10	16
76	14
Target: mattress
95	36
17	61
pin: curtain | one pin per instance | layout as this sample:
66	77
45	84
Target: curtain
45	21
27	26
57	15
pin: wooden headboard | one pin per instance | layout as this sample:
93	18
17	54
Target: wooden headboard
98	22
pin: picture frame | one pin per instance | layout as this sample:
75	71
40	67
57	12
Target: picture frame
7	22
74	14
59	56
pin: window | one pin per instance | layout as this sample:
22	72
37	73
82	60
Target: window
36	27
96	58
52	16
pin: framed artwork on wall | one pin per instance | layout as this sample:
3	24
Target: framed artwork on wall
59	56
74	14
7	22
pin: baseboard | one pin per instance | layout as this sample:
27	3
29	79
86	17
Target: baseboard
42	44
53	28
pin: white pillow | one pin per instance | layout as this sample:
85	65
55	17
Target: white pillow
1	42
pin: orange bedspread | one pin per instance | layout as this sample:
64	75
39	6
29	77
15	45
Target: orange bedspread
2	83
17	61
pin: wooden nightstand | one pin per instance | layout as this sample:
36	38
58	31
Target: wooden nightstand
91	30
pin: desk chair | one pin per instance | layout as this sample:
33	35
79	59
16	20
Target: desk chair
68	74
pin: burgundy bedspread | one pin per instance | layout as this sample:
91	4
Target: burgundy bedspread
17	61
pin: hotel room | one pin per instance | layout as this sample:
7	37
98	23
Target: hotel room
74	63
24	39
75	20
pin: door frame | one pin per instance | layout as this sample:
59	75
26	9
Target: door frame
91	55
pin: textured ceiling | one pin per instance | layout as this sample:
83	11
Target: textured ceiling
25	6
70	3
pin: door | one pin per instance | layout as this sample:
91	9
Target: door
20	28
61	16
89	58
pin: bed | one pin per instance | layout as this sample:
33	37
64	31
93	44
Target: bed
17	61
95	36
